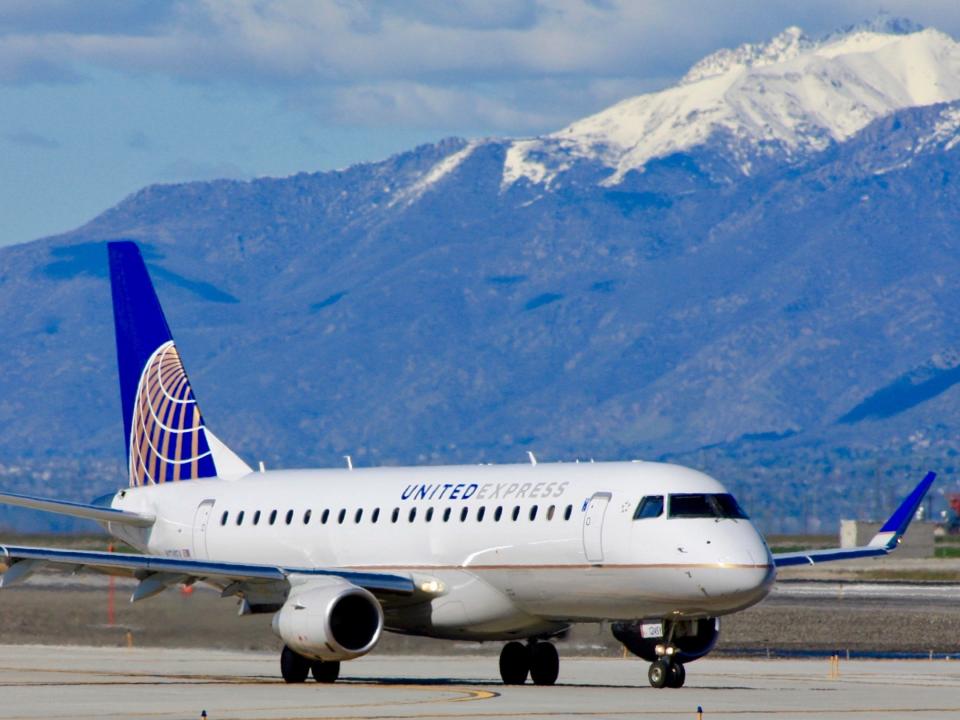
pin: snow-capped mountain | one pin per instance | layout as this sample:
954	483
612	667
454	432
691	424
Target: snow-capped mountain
778	100
787	320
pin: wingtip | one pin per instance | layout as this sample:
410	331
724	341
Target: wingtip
898	522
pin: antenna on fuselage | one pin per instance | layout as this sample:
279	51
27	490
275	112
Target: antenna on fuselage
533	458
263	468
349	462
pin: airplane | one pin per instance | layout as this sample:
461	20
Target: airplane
507	553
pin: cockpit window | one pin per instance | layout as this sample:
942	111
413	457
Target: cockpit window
697	505
650	507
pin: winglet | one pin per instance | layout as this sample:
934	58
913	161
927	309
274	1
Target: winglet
896	525
882	543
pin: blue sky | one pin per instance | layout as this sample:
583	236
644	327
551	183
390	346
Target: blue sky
101	97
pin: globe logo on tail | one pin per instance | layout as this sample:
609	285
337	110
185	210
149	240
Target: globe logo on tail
167	436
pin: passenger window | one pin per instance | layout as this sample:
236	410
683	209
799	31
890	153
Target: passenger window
568	512
395	515
533	513
463	515
341	516
550	512
516	512
446	514
429	514
289	516
256	517
240	518
306	517
650	507
480	512
273	516
375	516
325	516
223	518
358	516
413	514
497	513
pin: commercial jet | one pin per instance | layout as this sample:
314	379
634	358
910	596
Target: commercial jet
506	553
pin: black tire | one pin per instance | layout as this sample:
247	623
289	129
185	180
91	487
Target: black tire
514	663
676	675
325	672
657	674
293	667
544	664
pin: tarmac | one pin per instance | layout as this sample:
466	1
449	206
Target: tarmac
87	682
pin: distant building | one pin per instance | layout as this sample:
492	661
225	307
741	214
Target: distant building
917	543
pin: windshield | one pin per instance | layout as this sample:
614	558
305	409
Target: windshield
699	505
650	507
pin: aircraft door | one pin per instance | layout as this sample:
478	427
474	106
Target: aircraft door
200	522
593	527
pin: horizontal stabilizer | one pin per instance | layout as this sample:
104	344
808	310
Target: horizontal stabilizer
89	512
885	541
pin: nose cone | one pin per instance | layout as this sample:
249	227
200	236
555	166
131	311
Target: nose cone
746	570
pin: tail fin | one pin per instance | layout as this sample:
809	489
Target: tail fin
167	439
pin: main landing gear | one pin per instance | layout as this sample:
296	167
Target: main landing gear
538	659
295	668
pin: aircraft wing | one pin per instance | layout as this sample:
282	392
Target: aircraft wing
157	573
885	541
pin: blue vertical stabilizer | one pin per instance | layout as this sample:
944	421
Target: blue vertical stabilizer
165	434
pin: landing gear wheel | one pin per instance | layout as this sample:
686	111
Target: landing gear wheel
658	673
325	672
514	663
293	667
676	675
544	664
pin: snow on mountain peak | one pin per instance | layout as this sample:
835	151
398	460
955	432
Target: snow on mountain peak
782	98
788	44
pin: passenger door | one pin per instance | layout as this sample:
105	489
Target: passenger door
200	522
593	527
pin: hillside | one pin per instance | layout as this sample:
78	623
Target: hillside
770	301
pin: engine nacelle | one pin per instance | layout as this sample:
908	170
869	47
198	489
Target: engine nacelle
329	619
692	639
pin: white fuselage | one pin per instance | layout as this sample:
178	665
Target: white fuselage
573	553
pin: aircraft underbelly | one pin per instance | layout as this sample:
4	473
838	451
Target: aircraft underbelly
618	592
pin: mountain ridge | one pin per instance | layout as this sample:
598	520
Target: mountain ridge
781	99
420	310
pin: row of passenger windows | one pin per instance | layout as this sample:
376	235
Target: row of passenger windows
691	505
326	516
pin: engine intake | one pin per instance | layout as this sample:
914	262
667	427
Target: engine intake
330	619
692	638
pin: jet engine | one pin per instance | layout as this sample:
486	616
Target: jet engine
692	639
329	619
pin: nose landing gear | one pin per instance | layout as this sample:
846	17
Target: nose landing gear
666	673
538	659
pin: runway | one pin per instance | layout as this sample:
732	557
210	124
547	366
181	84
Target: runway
84	682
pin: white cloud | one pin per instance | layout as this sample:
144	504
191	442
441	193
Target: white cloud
510	65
